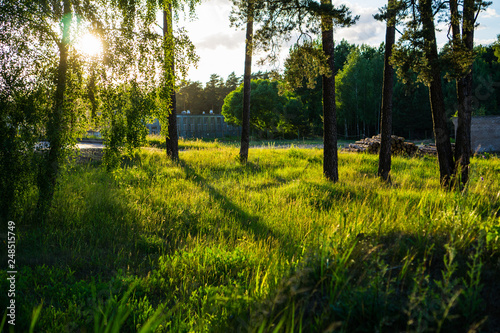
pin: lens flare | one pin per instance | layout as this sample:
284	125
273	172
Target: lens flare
89	45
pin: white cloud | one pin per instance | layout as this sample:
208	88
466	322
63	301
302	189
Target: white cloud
489	13
367	30
488	41
225	40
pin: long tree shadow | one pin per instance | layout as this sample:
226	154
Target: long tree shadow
248	221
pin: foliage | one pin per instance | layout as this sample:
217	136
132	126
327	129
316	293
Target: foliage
125	109
194	97
309	87
497	48
43	88
358	87
22	113
280	20
180	239
270	111
265	108
411	101
305	62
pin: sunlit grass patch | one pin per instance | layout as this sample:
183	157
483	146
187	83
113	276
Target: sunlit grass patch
217	244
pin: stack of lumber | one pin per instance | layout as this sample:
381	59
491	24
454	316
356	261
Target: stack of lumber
431	149
372	146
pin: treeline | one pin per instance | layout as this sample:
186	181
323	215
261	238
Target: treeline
278	112
196	97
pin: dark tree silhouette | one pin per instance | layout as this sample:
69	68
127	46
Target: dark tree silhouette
172	138
441	132
247	76
463	48
330	158
384	163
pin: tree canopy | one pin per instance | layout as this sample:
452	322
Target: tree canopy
269	111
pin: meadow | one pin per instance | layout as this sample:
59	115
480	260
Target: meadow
208	244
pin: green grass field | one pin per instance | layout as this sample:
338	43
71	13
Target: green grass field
212	245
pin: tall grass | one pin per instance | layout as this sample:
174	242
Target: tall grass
210	244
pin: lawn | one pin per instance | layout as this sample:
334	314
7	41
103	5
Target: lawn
210	245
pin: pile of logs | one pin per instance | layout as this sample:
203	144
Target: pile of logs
372	146
431	149
398	147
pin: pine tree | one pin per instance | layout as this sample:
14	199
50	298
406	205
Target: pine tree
384	165
462	57
280	20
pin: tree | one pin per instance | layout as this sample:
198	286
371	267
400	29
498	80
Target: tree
497	48
303	74
284	17
409	102
421	55
268	107
433	80
190	96
462	57
50	28
23	108
172	145
177	54
330	159
358	85
46	27
249	10
246	12
232	82
214	93
417	51
384	165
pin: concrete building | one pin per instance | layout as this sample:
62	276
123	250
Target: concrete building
199	126
485	133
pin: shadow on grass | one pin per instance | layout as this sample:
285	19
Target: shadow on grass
250	222
392	283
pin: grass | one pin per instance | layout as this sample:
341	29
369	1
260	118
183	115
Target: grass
157	141
209	245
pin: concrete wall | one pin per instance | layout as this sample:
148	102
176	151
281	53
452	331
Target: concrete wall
199	126
485	133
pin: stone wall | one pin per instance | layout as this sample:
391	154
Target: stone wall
485	133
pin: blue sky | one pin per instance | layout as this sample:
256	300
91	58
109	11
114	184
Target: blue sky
221	47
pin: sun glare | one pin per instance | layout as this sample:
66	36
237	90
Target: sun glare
89	45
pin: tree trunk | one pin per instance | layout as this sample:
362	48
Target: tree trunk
384	162
441	132
464	87
245	128
172	140
57	125
330	158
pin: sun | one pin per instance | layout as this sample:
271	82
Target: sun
89	45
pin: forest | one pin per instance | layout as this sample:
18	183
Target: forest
140	234
358	84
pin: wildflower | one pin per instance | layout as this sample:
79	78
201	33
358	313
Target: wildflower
482	178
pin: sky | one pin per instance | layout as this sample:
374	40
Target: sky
222	48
